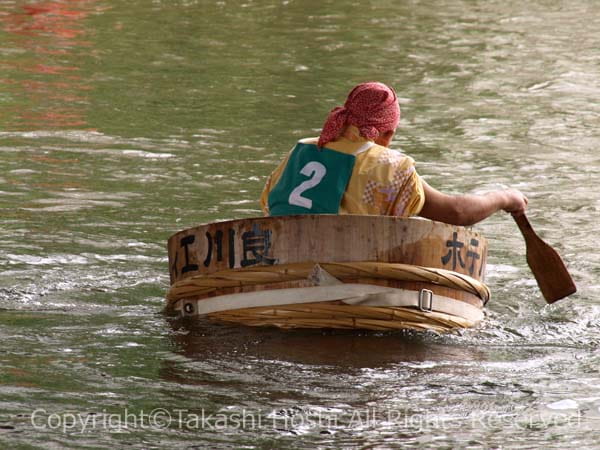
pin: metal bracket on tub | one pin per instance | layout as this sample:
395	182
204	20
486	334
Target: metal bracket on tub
188	308
426	300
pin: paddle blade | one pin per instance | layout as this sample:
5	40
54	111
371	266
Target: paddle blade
549	270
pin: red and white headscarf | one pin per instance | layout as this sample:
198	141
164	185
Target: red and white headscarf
371	107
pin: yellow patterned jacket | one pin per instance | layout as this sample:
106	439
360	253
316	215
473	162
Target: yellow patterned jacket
383	181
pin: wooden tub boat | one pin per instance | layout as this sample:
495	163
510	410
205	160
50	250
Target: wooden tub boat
330	271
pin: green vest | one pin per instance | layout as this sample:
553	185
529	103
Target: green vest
313	182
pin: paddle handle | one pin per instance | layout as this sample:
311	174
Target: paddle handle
525	227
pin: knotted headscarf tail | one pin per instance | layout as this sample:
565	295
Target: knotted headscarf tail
371	107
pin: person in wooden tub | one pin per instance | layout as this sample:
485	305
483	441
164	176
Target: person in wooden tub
405	274
349	169
339	250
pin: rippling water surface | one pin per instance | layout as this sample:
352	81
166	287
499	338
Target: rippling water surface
123	122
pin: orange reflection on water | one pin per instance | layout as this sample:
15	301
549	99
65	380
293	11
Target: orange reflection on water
42	79
47	17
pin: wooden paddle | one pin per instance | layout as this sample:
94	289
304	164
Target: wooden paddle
545	263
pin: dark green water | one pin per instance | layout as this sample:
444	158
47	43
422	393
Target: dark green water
122	122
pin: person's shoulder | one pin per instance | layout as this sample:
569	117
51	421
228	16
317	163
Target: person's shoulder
385	155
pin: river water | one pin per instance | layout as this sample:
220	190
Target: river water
122	122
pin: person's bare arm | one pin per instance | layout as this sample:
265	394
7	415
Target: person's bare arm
469	209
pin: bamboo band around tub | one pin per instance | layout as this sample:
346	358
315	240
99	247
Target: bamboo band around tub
333	315
205	284
348	293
